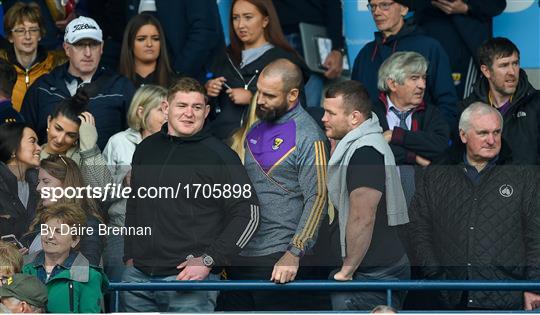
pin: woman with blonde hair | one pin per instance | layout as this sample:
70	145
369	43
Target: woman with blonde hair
145	117
239	136
11	261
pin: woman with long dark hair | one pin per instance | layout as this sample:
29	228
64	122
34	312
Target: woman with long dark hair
256	40
19	159
71	132
144	59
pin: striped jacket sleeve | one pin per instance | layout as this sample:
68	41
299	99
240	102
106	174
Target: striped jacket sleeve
312	162
241	215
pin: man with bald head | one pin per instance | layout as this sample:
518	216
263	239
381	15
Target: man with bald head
286	156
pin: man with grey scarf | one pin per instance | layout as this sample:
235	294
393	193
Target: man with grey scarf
364	186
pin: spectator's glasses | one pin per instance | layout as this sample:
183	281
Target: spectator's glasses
21	32
81	46
384	6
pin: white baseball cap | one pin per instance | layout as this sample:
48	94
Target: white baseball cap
81	28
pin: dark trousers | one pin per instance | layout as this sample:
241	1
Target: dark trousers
260	268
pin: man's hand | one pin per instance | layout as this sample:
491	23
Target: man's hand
387	135
422	161
531	301
451	6
23	251
286	268
193	269
127	179
344	274
240	96
333	65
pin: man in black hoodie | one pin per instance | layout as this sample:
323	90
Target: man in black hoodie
210	217
505	86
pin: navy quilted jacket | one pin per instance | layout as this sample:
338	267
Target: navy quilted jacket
484	231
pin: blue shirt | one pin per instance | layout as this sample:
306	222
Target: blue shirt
471	171
40	264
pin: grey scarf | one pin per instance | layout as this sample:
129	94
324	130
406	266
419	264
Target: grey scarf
369	133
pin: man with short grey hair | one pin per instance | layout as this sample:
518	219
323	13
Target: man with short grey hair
395	33
479	220
416	131
110	93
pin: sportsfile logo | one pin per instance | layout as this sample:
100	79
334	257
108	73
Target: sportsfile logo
84	26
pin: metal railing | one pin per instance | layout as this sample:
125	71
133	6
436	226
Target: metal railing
323	285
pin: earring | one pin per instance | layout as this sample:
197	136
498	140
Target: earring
13	155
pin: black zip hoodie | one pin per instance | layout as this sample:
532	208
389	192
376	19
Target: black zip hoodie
190	222
521	128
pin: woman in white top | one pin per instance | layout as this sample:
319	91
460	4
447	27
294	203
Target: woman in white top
145	117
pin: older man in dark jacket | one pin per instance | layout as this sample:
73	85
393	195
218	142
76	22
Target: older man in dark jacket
479	220
397	34
416	131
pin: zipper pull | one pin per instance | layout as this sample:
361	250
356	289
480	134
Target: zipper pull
253	77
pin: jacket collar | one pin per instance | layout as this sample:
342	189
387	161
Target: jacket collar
409	27
12	58
68	76
524	89
383	98
295	110
76	264
199	136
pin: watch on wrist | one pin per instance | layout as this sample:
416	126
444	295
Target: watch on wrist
341	50
208	261
296	251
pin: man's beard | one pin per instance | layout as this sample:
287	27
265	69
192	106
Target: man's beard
272	114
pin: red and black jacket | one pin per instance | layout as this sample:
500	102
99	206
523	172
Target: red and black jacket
428	137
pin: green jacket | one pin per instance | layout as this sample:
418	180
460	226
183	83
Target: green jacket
78	289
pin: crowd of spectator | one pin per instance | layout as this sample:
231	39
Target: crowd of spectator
423	166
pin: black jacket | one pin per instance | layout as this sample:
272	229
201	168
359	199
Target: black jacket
193	32
8	114
328	13
109	103
230	116
484	231
521	129
440	89
459	34
428	137
14	217
187	224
